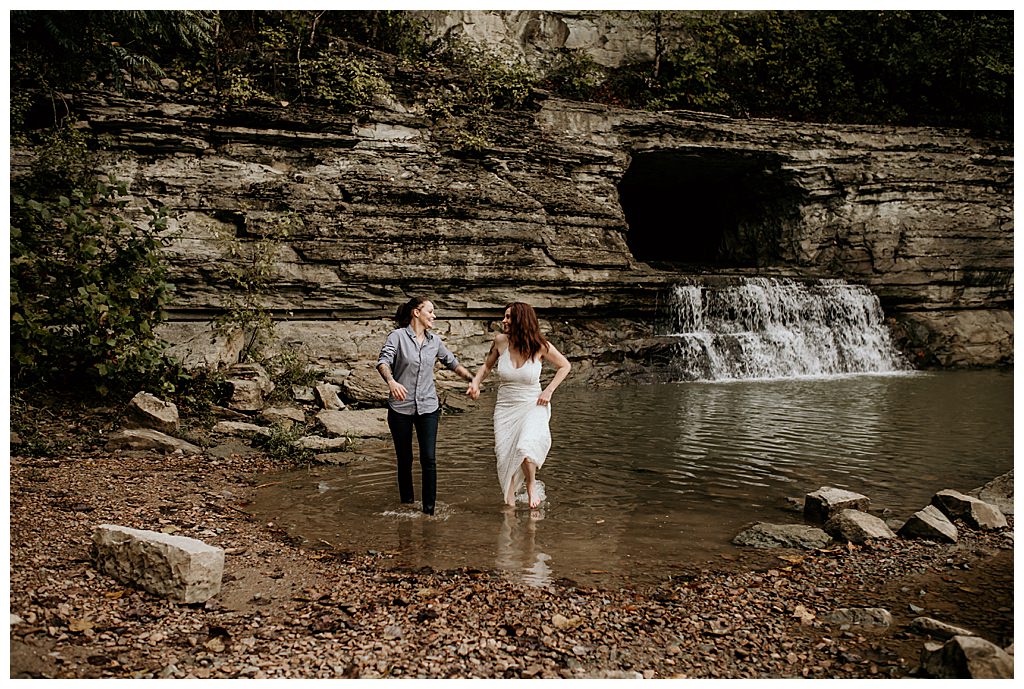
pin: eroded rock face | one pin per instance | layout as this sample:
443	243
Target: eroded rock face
379	208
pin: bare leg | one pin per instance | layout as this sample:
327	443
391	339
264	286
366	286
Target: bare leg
531	485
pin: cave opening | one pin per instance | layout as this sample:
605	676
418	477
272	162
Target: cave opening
707	209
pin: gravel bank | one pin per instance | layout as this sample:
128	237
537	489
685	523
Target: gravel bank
293	611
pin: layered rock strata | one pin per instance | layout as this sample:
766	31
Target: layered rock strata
371	208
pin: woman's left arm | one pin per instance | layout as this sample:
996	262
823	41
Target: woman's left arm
550	353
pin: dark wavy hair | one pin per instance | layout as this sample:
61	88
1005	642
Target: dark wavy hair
404	314
524	330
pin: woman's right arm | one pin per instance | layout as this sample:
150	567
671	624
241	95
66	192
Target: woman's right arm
492	357
385	362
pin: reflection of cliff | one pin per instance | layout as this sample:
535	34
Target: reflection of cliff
589	213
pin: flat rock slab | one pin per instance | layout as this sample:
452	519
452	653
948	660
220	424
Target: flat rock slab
176	567
762	535
358	423
858	617
938	630
149	439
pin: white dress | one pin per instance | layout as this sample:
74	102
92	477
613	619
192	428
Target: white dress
520	424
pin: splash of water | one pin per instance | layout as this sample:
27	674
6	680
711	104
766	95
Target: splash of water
777	328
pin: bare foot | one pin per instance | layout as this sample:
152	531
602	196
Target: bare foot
531	493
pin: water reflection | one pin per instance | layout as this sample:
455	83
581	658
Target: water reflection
517	546
644	480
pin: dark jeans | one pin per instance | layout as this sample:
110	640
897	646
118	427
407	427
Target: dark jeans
401	426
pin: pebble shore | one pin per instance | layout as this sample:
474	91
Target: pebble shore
287	610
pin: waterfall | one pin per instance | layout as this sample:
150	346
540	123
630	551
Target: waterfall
776	328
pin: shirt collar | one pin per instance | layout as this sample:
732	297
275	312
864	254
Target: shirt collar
412	333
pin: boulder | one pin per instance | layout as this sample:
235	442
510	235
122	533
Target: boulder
149	411
148	439
327	396
931	524
858	527
179	568
966	657
938	630
858	617
762	535
361	423
246	395
822	504
972	511
998	492
199	345
250	384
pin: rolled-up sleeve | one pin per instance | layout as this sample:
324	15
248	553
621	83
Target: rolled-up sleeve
447	359
389	350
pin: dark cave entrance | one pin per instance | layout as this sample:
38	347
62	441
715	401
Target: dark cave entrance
707	209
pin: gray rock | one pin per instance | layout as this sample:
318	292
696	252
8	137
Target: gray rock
148	439
972	511
998	492
822	504
327	396
931	524
762	535
250	384
240	428
355	423
149	411
246	395
229	449
937	629
316	443
283	416
201	345
858	617
966	657
858	527
303	393
179	568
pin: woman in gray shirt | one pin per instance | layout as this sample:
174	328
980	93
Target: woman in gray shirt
406	363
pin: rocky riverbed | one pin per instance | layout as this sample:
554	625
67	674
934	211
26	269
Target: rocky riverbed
299	611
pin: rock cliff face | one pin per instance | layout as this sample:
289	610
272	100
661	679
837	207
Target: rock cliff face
589	213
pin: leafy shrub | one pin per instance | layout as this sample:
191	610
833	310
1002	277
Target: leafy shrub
87	287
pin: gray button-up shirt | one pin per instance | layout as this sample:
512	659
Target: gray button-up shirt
412	365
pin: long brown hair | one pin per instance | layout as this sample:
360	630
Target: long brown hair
524	330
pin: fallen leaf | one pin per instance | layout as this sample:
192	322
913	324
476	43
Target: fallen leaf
80	625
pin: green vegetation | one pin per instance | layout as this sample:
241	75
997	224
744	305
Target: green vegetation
937	68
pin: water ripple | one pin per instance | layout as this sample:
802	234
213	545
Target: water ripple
664	474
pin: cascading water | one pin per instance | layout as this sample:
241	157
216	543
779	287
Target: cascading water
776	328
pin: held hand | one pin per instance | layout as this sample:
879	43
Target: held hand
473	391
544	399
398	390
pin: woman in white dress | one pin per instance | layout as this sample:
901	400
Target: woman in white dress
522	411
